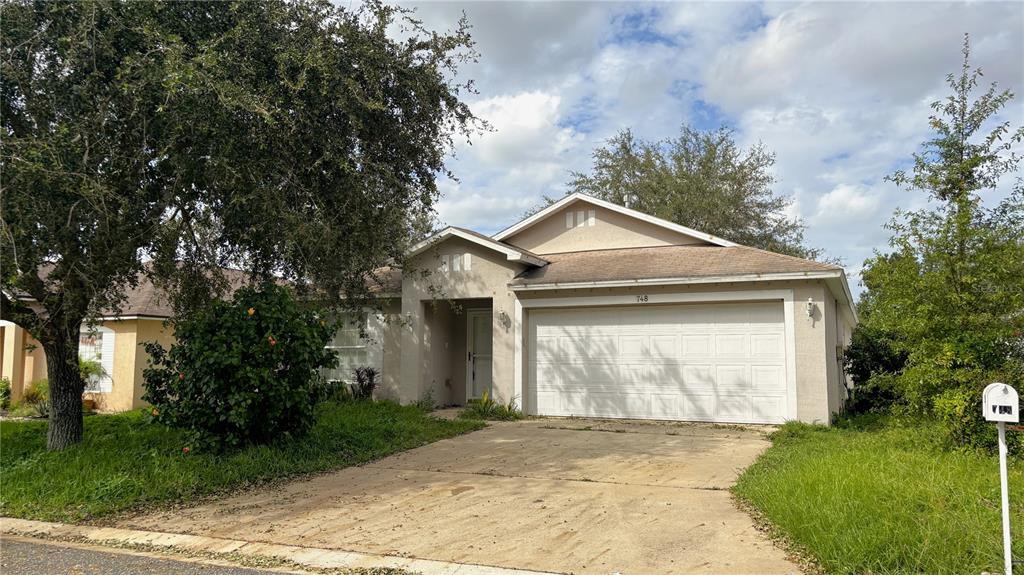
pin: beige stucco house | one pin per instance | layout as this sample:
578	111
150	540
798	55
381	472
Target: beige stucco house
591	309
586	308
115	342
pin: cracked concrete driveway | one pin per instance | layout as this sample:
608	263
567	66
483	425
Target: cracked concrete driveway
566	496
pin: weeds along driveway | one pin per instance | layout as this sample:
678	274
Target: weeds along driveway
570	496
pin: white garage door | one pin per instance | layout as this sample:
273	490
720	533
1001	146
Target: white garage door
706	362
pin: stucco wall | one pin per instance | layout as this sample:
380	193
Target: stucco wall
611	230
391	336
488	278
148	330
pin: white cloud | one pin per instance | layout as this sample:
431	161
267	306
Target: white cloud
526	129
839	91
847	203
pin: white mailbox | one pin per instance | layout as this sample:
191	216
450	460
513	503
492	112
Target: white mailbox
1000	403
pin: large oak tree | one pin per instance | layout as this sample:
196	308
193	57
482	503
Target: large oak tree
289	139
699	179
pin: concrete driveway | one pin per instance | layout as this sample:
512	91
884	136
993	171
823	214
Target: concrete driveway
566	496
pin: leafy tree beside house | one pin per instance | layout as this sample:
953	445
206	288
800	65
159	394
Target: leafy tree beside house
290	139
699	179
943	311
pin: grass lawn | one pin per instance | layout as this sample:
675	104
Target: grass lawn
878	497
125	462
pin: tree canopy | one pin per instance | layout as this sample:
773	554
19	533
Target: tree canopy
294	140
700	179
949	295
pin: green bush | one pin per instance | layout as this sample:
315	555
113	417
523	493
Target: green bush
37	397
91	369
488	408
5	393
872	360
241	372
366	382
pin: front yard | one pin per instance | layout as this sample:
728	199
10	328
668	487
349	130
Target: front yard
877	497
126	462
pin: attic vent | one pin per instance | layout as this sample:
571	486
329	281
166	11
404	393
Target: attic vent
568	220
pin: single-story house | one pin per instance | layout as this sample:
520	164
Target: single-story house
591	309
115	342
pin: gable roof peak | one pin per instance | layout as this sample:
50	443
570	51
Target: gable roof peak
511	253
579	196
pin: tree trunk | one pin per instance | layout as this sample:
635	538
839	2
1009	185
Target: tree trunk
66	387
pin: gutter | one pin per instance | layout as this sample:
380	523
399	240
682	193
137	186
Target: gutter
834	274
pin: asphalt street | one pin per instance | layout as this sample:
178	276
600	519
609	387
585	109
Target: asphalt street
26	557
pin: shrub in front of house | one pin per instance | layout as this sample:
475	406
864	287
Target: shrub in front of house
241	372
36	399
5	393
486	407
366	382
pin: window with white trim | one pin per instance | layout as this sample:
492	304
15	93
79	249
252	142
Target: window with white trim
97	344
355	347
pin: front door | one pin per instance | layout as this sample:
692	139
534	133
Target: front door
478	344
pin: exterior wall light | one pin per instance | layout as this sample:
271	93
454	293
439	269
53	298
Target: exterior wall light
810	307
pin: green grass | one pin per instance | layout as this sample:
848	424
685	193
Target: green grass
126	463
881	497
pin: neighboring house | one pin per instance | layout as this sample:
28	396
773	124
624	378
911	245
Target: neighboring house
585	309
115	342
591	309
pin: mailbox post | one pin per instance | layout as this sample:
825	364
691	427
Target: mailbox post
1002	405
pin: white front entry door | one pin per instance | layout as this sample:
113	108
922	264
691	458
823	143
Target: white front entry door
478	343
701	362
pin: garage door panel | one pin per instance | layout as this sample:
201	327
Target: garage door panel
632	346
768	377
617	404
697	376
732	376
697	406
767	407
665	376
766	345
733	408
699	345
731	345
548	348
664	347
706	362
588	348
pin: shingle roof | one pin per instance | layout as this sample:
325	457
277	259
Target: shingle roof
663	263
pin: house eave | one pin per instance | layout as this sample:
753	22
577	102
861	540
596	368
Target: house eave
788	276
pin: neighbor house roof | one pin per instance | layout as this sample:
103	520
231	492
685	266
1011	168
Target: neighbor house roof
555	207
668	264
512	253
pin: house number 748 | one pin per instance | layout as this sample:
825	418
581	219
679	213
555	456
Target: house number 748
641	299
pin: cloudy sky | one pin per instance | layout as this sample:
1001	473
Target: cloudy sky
839	91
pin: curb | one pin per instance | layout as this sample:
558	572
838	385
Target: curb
309	557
